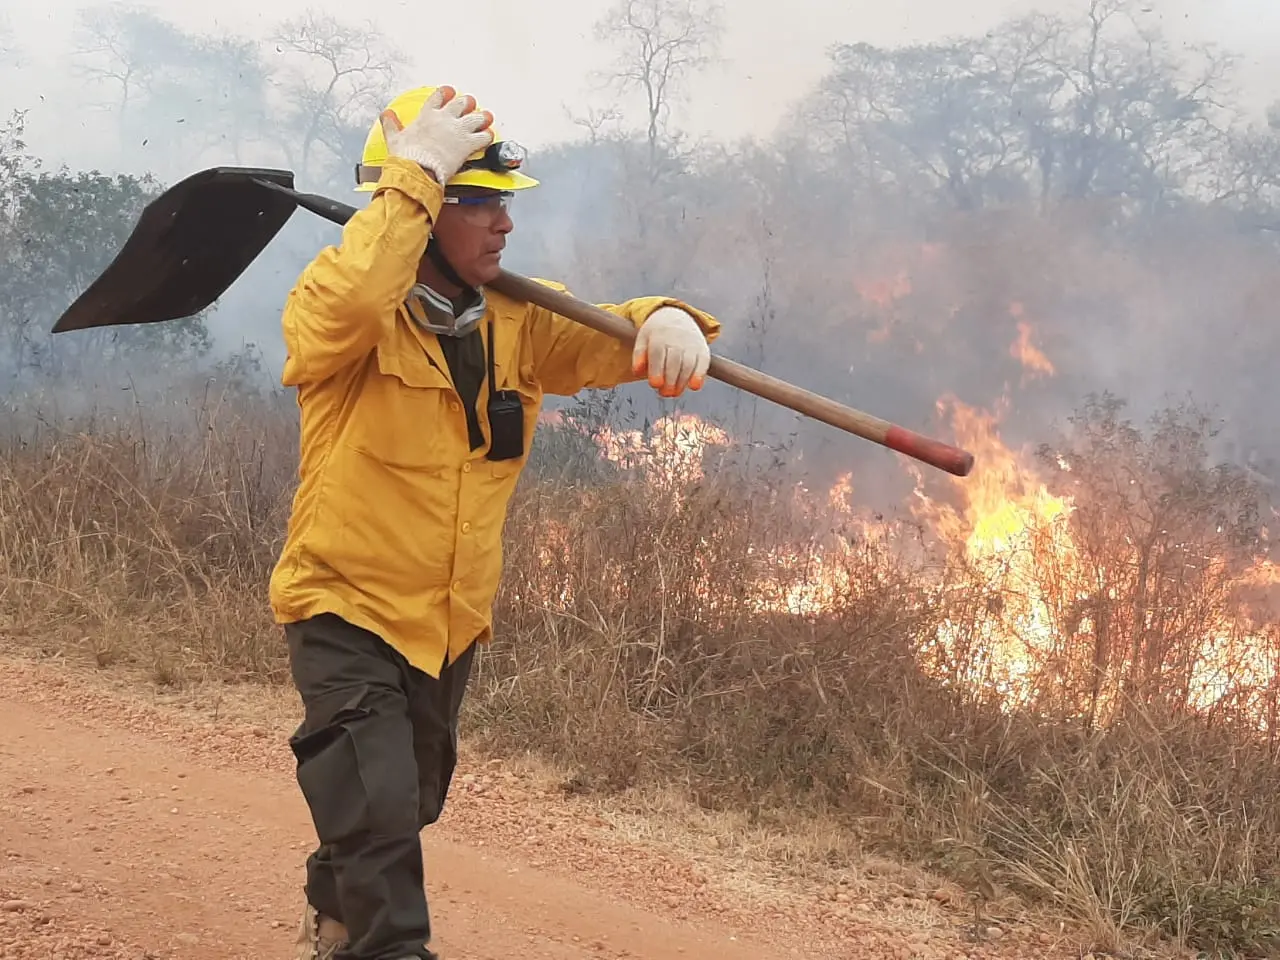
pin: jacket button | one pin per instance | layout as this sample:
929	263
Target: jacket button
466	526
453	405
466	467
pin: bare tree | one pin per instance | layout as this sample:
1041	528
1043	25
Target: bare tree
1248	173
125	46
1135	119
595	120
1098	106
936	116
659	43
338	79
219	94
14	164
178	93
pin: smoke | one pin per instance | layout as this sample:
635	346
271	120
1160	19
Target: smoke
1005	217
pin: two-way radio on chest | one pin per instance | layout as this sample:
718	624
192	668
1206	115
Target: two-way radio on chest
506	413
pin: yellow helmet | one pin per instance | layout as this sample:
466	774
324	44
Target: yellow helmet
496	167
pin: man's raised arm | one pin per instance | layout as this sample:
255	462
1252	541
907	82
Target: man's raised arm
347	297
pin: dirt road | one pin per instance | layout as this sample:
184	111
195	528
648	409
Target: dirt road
129	830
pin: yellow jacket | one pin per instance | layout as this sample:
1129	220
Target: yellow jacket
397	524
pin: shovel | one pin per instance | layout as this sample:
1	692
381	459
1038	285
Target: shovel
197	237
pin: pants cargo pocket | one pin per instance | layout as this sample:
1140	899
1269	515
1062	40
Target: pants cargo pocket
330	776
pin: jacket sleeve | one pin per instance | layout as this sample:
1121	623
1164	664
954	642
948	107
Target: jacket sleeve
346	299
569	356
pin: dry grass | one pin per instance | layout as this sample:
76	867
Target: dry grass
634	650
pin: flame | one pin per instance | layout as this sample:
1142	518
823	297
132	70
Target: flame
887	281
1024	599
1006	524
1033	621
885	291
672	453
1033	360
840	497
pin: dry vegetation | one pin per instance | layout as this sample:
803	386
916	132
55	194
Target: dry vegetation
643	640
1057	676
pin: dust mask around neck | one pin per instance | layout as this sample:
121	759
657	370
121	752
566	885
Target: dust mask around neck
435	312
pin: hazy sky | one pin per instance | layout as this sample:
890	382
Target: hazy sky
529	61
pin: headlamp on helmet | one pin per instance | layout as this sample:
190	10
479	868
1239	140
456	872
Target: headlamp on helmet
499	157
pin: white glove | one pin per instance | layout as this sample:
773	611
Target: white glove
442	136
672	349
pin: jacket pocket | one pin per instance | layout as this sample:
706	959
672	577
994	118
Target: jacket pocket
406	415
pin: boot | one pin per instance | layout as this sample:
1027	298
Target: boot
319	937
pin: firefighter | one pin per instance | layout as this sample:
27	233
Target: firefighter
418	390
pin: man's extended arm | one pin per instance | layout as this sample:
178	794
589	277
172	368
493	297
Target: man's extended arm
569	356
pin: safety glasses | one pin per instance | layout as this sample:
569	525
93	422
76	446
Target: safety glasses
481	208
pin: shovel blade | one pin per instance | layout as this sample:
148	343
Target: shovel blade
188	247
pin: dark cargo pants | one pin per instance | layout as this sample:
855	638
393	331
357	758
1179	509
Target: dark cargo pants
375	754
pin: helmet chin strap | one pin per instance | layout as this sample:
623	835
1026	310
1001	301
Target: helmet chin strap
441	315
441	263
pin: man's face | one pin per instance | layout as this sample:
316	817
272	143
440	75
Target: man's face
472	234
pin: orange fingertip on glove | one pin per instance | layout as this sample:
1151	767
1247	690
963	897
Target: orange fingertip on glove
390	121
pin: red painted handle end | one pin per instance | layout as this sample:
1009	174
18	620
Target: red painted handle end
933	452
